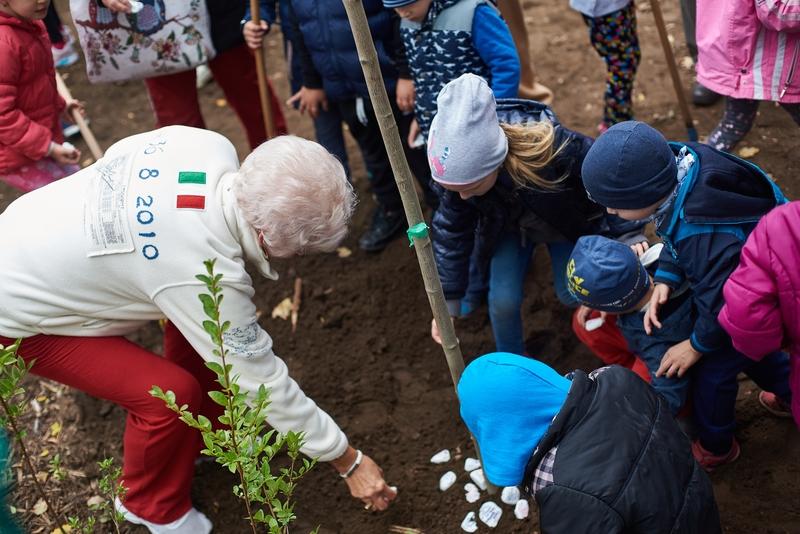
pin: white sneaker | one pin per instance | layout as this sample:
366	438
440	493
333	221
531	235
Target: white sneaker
204	76
193	522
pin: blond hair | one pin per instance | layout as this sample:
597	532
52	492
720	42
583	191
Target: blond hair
530	149
297	194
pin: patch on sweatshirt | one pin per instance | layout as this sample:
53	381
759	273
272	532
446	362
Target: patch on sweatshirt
191	179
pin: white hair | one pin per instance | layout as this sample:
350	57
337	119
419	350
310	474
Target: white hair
297	194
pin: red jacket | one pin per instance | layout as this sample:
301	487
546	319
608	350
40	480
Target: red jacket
762	296
29	102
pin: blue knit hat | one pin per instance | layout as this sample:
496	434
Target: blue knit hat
606	275
508	402
630	166
391	4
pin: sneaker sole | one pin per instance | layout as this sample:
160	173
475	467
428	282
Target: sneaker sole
773	411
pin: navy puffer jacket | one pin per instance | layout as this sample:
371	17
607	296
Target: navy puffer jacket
458	223
329	41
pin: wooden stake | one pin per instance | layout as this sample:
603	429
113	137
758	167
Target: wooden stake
402	175
86	132
261	72
691	131
298	291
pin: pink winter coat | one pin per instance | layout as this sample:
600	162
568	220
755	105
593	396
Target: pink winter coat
750	48
762	296
29	102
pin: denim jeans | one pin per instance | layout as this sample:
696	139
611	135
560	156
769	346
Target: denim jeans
715	385
509	265
676	327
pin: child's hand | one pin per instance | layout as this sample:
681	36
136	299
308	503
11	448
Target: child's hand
74	105
678	359
118	5
413	132
406	94
583	314
65	155
310	100
640	248
254	33
660	296
435	333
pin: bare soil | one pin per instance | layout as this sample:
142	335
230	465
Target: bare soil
362	348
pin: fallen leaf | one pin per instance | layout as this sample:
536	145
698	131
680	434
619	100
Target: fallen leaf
640	97
40	507
283	310
687	62
55	429
44	453
63	529
41	476
131	115
221	102
95	501
344	252
749	151
41	398
87	162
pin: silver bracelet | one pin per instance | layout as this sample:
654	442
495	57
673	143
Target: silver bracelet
352	468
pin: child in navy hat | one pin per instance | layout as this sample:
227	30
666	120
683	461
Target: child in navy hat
607	276
588	448
704	203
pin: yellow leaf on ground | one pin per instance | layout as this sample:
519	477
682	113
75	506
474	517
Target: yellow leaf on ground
44	453
41	398
749	151
40	507
283	310
41	476
55	429
221	102
63	529
344	252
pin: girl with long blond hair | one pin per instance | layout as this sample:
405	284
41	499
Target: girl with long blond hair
508	177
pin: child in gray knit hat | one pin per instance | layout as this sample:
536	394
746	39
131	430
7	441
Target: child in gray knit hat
508	176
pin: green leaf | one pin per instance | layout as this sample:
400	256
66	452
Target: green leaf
218	397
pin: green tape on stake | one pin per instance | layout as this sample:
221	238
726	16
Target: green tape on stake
418	231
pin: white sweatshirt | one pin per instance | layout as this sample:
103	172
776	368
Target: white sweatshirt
119	243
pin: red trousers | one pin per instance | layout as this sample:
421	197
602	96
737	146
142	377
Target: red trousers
159	451
608	344
174	96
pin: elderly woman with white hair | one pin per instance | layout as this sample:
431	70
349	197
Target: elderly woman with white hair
91	258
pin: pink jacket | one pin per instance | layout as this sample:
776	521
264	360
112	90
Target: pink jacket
762	296
29	102
750	48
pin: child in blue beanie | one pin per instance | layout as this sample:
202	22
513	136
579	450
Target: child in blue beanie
444	39
607	276
704	203
588	448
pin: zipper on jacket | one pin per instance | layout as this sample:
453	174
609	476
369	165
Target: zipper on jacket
791	69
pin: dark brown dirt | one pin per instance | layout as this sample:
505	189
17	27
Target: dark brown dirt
362	349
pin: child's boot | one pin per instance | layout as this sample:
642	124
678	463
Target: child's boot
710	461
774	404
737	121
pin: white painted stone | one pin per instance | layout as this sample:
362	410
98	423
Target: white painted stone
490	514
136	6
521	509
441	457
469	524
471	464
473	494
510	495
447	480
478	478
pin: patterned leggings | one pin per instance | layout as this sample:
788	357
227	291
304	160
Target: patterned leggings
37	174
738	119
615	39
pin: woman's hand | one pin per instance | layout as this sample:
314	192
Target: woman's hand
74	105
254	33
118	5
310	100
366	483
413	132
406	94
660	296
678	359
68	155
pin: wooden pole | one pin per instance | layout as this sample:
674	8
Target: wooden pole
261	72
86	132
673	70
402	175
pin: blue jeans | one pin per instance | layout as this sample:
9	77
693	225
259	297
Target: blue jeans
714	388
676	327
509	265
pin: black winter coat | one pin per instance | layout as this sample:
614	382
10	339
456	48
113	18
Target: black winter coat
622	465
480	221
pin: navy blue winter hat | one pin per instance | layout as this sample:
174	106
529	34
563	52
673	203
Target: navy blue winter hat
508	402
630	166
606	275
391	4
